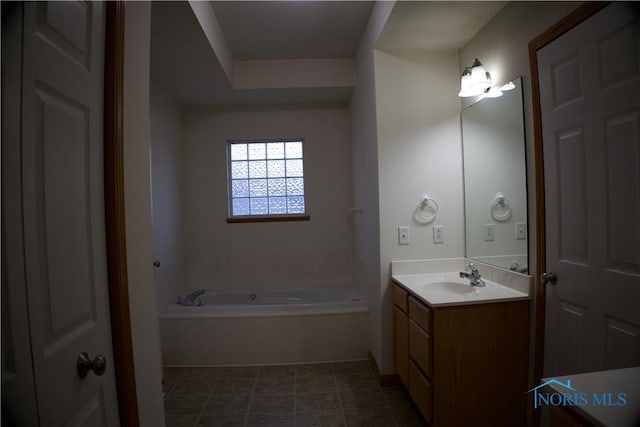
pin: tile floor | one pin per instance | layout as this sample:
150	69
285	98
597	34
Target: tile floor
325	394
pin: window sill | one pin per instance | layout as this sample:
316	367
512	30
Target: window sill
267	218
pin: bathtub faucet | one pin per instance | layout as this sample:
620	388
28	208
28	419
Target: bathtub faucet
191	298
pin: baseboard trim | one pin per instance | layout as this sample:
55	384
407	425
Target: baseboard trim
383	379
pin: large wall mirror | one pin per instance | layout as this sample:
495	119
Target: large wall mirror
495	180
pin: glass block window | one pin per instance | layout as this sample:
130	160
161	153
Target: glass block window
266	178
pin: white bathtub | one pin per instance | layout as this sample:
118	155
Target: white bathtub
266	327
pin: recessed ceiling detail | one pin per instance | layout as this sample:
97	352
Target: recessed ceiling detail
274	52
292	29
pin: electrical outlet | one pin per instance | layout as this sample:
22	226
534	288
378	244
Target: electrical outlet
489	232
438	233
403	235
521	230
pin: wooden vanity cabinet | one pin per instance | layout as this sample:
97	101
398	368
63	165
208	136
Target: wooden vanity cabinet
467	364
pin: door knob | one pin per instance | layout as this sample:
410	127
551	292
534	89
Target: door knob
550	277
84	364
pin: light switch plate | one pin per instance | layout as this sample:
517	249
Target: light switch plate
438	234
489	232
403	235
521	231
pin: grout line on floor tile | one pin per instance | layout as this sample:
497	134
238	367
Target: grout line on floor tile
251	397
202	409
335	380
172	386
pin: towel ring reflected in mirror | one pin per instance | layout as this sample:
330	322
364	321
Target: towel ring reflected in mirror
500	208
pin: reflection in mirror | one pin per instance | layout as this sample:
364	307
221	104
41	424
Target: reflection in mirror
495	188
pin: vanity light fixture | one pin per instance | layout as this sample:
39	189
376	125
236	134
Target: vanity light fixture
475	80
507	87
480	78
493	92
465	84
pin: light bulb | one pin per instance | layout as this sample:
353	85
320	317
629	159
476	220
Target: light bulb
478	73
466	83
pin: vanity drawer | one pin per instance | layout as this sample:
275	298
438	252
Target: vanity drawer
420	347
421	391
420	313
399	296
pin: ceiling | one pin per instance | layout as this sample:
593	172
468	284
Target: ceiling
184	64
435	25
292	29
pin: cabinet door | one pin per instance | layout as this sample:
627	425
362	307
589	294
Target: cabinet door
401	344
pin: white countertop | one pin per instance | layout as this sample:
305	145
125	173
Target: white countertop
615	381
448	288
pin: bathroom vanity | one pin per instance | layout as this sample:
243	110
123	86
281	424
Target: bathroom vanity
462	352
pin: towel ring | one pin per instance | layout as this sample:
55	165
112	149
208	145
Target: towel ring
500	201
426	201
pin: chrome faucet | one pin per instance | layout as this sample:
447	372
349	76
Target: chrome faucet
473	275
191	298
515	266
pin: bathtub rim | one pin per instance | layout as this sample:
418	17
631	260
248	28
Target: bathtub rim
355	303
176	311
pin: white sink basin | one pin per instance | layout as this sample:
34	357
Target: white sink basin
441	289
448	287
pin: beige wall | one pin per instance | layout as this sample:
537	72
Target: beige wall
166	177
419	151
364	164
267	255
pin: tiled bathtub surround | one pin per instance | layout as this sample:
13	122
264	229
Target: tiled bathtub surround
327	394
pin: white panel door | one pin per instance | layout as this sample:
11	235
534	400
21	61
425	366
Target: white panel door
590	103
63	208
